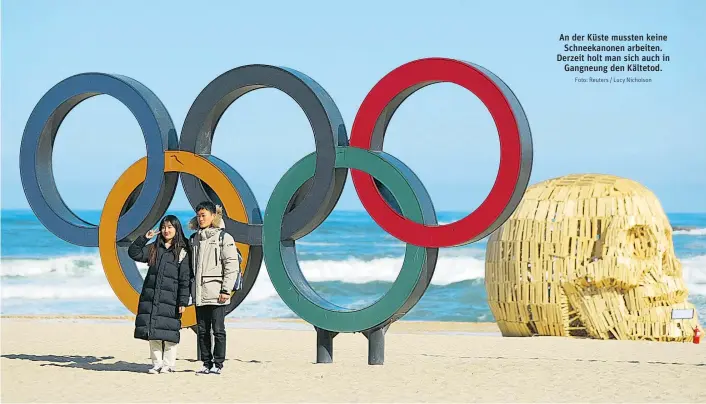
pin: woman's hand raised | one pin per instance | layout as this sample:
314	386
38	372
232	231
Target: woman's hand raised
151	234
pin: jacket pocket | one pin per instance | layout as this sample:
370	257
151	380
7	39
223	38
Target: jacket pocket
212	271
212	287
211	266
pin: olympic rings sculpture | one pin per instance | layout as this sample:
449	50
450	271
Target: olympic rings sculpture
389	191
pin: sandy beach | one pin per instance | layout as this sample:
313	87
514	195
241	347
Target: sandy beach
95	359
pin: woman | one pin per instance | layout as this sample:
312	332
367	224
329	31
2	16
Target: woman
165	291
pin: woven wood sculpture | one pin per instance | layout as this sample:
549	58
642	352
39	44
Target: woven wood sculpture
591	256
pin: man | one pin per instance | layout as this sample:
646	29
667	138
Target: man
216	269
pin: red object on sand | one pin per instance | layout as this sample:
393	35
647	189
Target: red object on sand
697	335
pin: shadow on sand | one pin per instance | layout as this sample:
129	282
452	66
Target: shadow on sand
237	360
96	363
83	362
575	360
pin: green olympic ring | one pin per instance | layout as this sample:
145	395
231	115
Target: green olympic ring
282	264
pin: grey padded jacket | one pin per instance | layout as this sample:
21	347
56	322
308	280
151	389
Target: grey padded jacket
216	268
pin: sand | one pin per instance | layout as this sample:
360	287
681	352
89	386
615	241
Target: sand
97	360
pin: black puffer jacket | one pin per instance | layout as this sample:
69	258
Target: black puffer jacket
166	287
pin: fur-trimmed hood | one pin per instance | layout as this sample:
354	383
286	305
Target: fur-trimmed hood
217	220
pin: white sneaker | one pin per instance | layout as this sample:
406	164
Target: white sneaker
203	371
154	370
217	371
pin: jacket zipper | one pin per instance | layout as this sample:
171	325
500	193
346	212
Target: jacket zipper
195	260
156	288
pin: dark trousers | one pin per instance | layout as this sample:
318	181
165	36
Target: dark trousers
207	318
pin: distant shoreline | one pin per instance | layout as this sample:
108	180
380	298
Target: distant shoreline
283	323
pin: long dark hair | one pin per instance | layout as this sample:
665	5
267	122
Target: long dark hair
178	242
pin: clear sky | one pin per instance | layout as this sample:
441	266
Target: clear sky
653	133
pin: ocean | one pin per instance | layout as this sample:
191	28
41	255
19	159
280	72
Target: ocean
349	260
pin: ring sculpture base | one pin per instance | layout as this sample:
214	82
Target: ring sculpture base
324	345
376	345
306	195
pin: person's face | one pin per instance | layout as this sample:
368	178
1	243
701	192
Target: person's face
205	218
168	231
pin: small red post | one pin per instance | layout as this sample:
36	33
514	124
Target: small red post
697	335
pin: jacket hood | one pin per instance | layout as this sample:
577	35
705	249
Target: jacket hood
217	220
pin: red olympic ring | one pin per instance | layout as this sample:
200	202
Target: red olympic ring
468	76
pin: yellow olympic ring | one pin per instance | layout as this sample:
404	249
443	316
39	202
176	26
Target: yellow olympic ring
175	161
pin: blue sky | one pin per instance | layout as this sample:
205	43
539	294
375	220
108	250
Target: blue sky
653	133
